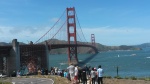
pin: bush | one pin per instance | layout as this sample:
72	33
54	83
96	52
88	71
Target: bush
126	77
147	79
133	78
108	77
118	77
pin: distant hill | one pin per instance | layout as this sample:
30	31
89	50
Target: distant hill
99	46
4	44
144	45
122	47
7	44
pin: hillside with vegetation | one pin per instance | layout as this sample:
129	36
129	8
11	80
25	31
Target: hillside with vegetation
144	45
100	47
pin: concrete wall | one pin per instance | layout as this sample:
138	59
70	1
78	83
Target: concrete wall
13	61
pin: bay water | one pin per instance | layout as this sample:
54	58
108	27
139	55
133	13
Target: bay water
130	63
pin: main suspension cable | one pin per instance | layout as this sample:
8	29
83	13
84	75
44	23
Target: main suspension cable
51	27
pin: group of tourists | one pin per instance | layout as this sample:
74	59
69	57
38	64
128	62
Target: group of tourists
75	74
78	75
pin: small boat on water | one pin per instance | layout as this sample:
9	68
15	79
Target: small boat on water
133	54
62	63
118	56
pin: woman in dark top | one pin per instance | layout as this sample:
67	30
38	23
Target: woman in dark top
79	74
84	77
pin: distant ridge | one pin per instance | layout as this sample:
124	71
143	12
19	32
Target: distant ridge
144	45
8	44
4	44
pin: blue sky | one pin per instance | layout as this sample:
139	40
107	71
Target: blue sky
114	22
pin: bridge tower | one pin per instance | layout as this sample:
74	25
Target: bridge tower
93	39
71	33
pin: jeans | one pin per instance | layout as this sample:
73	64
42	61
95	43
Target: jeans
100	80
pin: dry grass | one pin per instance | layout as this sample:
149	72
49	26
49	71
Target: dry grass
124	81
62	80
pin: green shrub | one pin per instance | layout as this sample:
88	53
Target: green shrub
126	77
118	77
141	78
147	79
133	78
108	77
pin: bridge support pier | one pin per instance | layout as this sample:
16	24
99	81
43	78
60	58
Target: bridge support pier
13	63
17	53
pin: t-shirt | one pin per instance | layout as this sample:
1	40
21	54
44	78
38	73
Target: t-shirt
93	74
71	69
76	71
100	72
65	74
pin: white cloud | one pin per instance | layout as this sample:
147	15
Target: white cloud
26	34
22	34
104	35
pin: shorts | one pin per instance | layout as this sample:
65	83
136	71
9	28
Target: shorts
75	77
72	75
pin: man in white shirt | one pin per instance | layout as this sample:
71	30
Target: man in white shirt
71	69
100	74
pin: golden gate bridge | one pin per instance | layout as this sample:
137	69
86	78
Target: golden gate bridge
35	55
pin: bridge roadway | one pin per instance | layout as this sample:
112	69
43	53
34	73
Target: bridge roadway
55	46
4	50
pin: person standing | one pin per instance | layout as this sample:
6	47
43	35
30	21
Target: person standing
65	74
84	76
79	74
18	73
71	69
76	74
93	75
100	74
39	72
